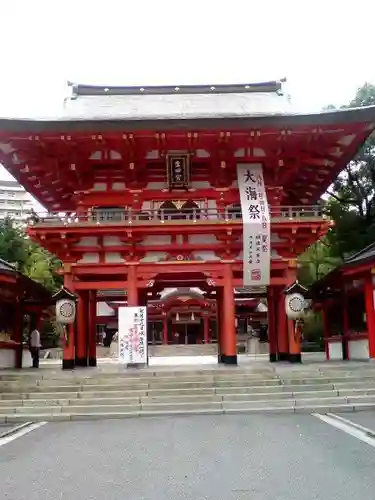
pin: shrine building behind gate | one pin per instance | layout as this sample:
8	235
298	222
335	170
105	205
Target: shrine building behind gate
149	189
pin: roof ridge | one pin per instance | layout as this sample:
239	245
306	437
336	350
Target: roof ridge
371	246
78	89
7	264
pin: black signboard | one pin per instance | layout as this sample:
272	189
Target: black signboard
178	171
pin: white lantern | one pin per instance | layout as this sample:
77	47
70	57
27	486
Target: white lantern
295	305
65	311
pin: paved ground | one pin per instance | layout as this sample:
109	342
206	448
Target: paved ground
283	457
5	428
367	419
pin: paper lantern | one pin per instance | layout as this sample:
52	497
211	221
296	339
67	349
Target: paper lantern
65	311
295	305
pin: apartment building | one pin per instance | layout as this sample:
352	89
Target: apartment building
15	201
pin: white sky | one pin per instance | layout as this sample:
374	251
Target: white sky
325	48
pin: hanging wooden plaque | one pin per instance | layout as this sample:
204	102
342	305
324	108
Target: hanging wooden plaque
178	171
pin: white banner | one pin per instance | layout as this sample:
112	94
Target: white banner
132	335
256	225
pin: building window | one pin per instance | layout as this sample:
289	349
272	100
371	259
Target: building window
11	194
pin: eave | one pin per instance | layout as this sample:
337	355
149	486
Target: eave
316	136
66	125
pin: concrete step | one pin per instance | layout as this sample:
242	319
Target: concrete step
122	393
120	412
256	392
162	398
233	380
108	371
356	391
173	384
230	401
69	392
183	350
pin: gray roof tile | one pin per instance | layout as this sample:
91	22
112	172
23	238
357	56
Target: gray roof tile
176	106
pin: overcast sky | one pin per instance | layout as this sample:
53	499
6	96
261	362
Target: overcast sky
325	48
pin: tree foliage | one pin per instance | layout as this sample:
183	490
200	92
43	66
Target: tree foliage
316	262
28	257
350	203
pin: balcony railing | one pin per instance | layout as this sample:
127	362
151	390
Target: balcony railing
156	217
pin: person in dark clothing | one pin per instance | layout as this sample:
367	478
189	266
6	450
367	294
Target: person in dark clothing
35	347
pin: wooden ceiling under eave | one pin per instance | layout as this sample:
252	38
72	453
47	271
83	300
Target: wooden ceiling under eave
304	158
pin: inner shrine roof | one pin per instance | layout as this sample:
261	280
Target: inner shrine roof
5	266
363	256
331	283
22	286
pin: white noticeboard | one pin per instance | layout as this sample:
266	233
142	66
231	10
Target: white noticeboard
132	335
256	225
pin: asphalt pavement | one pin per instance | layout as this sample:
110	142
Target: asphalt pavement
5	428
364	418
236	457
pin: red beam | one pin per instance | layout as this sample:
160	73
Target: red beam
100	285
165	267
8	279
176	227
360	269
99	269
112	285
181	248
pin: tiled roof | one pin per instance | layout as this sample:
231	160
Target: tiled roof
5	266
171	102
364	256
361	256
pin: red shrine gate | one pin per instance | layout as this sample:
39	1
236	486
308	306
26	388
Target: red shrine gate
142	189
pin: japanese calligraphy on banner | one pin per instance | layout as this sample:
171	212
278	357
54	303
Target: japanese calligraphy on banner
132	335
256	225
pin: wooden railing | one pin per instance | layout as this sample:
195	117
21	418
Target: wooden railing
153	217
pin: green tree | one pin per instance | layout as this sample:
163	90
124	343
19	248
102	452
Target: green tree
351	202
13	246
28	257
41	266
316	262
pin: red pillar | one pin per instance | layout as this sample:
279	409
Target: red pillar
324	313
219	321
17	333
206	332
92	329
165	330
295	333
346	326
272	333
68	362
81	338
281	326
228	331
132	287
370	314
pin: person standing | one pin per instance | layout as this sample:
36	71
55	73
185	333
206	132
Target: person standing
35	347
114	346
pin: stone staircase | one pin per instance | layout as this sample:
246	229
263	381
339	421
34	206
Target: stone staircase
183	350
111	392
